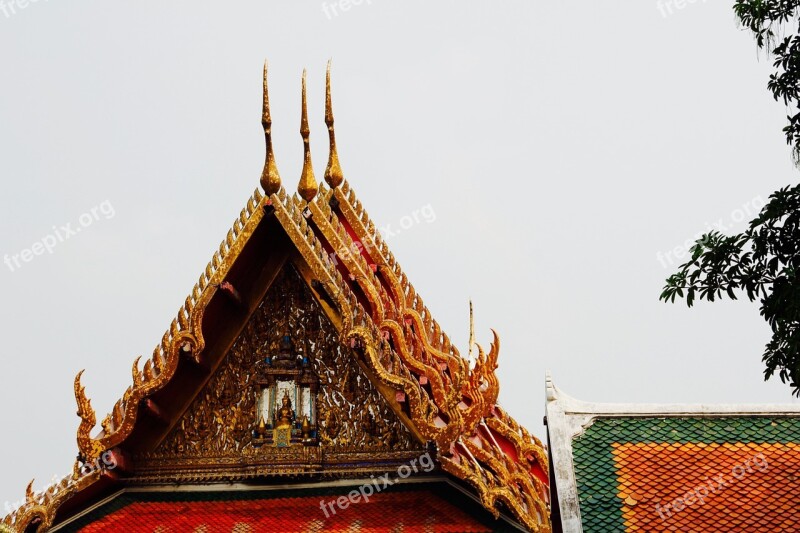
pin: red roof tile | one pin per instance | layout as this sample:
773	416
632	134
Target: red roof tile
417	511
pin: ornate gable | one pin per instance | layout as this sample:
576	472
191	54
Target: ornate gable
218	437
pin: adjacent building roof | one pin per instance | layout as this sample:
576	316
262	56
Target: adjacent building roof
654	468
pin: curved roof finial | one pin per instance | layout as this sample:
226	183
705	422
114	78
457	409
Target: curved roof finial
308	184
333	173
270	179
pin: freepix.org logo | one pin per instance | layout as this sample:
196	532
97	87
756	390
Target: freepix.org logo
60	234
106	461
376	485
9	8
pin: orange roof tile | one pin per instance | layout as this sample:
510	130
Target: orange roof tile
707	487
686	474
408	511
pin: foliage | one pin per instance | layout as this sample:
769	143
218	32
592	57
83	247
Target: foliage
764	261
768	20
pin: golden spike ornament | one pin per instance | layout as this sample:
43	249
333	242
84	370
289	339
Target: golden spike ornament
333	173
270	179
471	332
30	496
308	184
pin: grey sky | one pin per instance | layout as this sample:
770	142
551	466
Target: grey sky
562	146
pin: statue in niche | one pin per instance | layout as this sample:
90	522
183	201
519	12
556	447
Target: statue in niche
284	415
284	375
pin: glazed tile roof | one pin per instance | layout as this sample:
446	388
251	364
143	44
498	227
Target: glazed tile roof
437	509
689	474
672	468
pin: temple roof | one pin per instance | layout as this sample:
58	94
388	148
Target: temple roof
442	398
620	468
412	507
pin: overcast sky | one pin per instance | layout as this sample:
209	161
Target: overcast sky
561	145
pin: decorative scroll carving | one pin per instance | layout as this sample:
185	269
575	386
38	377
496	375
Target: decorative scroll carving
352	413
449	401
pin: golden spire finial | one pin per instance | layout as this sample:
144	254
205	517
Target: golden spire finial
471	331
270	179
333	173
308	184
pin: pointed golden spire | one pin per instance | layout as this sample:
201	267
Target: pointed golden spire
471	331
333	173
308	184
270	179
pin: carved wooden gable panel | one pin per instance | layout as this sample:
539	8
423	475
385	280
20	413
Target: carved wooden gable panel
233	428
